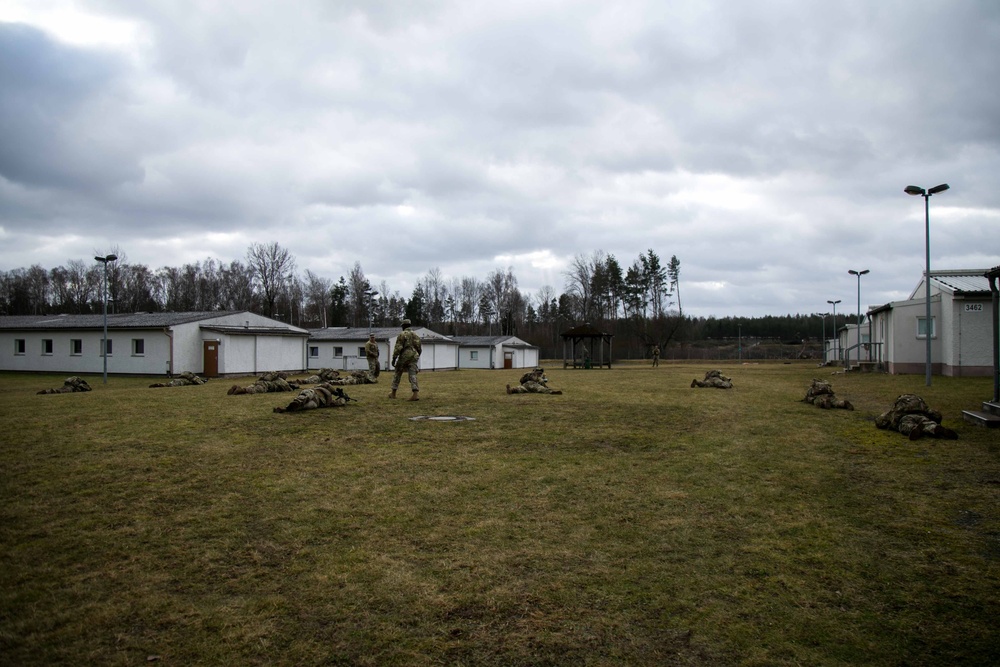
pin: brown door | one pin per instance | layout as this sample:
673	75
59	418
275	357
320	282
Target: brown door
211	358
508	360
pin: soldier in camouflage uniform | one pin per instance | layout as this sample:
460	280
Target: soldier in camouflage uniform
321	396
323	375
656	356
266	383
355	377
714	379
184	379
912	417
70	385
405	356
371	353
533	382
821	395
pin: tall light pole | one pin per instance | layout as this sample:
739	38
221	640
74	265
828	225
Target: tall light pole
858	274
926	194
835	337
371	296
104	351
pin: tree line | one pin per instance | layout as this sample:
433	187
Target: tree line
639	304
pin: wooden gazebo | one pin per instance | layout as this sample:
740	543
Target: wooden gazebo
597	353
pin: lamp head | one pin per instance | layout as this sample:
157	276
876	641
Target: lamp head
938	188
864	272
913	190
112	258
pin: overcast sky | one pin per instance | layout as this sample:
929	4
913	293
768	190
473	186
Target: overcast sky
766	144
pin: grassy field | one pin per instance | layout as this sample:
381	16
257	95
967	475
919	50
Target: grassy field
631	521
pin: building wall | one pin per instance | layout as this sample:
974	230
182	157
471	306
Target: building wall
122	359
969	350
483	352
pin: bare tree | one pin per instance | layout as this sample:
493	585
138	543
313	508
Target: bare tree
317	298
271	266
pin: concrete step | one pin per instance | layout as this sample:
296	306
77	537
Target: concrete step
992	408
980	418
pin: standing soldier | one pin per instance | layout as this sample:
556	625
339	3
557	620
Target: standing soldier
656	356
371	353
405	356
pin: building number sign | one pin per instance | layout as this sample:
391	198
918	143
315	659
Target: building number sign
973	307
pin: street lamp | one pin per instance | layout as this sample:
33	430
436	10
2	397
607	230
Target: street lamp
835	337
371	296
858	274
104	352
926	194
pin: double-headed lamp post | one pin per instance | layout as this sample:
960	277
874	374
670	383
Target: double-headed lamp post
104	351
834	304
926	194
858	274
371	297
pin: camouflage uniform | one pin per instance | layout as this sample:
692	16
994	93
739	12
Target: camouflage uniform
266	383
323	375
70	385
656	356
912	417
355	377
714	379
371	353
185	378
405	356
321	396
821	395
533	382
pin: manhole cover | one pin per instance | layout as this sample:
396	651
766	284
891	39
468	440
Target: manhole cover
441	418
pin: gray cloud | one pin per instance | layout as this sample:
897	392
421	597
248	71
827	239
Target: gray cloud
765	145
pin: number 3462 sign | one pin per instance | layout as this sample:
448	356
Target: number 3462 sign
973	307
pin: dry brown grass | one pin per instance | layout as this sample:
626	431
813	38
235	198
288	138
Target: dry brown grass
632	520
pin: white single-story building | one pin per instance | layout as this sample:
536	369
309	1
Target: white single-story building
343	348
208	343
844	348
496	352
961	327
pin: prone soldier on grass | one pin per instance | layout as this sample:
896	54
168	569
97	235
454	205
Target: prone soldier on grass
320	396
266	383
71	384
533	382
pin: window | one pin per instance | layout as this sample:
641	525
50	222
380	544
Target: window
922	327
338	352
361	351
138	347
474	355
46	346
314	351
76	347
107	348
18	346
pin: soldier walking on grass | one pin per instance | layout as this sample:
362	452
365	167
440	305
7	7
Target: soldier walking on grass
656	356
405	356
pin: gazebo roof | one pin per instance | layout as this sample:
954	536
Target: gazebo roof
585	331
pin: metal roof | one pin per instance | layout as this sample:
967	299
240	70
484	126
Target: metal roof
967	281
115	320
360	334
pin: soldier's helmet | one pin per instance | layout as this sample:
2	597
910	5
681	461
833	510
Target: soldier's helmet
406	323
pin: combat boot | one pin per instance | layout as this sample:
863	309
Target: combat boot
392	394
414	396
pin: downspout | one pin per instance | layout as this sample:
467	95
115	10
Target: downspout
170	359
